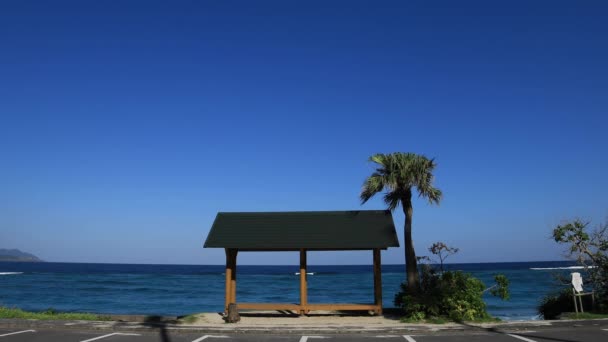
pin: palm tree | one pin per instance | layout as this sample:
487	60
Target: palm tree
397	174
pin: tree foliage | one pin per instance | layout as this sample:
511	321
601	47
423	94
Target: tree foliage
442	251
589	247
398	175
457	296
501	287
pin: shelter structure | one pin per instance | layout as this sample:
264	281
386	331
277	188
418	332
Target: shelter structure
371	230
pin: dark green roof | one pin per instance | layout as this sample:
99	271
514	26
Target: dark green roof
320	230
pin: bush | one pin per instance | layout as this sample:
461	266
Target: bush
554	304
453	295
589	247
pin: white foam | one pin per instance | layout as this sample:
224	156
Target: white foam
10	273
309	273
560	268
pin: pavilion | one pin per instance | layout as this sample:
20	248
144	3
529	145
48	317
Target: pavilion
305	231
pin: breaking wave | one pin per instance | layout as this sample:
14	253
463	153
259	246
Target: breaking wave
560	268
10	273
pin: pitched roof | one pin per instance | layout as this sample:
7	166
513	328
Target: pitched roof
320	230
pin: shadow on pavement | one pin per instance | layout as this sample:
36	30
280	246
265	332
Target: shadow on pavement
390	313
498	331
160	323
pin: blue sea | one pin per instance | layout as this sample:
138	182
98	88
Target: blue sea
183	289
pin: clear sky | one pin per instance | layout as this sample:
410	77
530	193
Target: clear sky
126	126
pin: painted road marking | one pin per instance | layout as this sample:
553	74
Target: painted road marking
408	338
209	336
305	338
108	335
18	332
521	338
386	336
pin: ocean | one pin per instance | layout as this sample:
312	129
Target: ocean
184	289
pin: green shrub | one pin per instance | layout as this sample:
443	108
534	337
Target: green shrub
554	304
453	295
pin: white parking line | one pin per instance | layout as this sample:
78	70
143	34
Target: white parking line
521	338
108	335
305	338
209	336
408	338
17	332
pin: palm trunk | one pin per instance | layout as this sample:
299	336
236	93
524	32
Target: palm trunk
411	264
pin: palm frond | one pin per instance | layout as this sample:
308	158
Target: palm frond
378	158
433	195
400	172
392	199
372	185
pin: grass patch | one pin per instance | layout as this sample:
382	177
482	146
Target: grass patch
189	319
583	315
50	314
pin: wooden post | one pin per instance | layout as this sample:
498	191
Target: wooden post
228	279
303	285
378	281
233	274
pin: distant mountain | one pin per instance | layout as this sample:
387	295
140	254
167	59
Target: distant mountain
17	255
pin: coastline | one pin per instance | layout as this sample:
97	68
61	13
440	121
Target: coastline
176	290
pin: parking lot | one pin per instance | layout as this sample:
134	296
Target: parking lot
595	333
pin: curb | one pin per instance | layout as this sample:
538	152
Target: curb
326	329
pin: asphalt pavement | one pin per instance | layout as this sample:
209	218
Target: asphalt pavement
584	333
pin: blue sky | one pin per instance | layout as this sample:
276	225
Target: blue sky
126	125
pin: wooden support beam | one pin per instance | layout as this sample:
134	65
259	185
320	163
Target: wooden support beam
344	307
303	284
233	278
298	307
378	281
269	306
228	279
